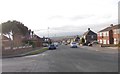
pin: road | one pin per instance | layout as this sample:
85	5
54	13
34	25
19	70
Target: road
65	59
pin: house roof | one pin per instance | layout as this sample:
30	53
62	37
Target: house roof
89	32
116	26
106	29
37	36
110	28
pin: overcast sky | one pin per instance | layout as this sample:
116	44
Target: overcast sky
61	16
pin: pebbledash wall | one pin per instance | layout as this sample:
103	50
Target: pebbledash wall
15	51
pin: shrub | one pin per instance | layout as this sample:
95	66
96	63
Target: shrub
82	41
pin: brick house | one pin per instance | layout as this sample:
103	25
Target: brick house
18	39
109	35
5	41
116	34
38	41
89	36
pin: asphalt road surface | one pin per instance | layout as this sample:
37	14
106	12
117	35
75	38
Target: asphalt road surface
65	59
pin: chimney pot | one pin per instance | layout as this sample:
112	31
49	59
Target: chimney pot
88	28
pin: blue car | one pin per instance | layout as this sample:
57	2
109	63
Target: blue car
52	47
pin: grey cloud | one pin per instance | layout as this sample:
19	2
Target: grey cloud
68	30
108	16
79	17
56	17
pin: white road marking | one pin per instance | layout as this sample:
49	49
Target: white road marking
96	50
42	54
31	56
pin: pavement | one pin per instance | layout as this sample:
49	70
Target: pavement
113	47
102	49
65	59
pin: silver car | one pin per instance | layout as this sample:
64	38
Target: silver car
73	45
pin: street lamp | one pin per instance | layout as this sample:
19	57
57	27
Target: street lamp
48	32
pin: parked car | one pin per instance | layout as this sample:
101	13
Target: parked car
52	46
56	44
45	44
73	45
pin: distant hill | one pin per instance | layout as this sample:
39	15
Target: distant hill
62	37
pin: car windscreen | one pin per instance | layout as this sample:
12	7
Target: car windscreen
73	43
51	45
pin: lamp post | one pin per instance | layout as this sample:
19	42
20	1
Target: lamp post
48	32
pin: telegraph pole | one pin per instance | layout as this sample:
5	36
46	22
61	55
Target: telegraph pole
48	32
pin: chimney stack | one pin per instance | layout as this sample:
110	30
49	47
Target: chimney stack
88	29
111	25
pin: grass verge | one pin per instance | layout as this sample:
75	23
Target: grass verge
37	51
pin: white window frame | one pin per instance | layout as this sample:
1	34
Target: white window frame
104	33
100	40
108	42
115	41
107	33
100	33
104	41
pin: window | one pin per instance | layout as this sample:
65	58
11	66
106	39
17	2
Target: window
100	33
100	41
115	41
104	41
116	31
107	33
104	33
108	41
92	36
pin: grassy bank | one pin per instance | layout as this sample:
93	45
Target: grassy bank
37	51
